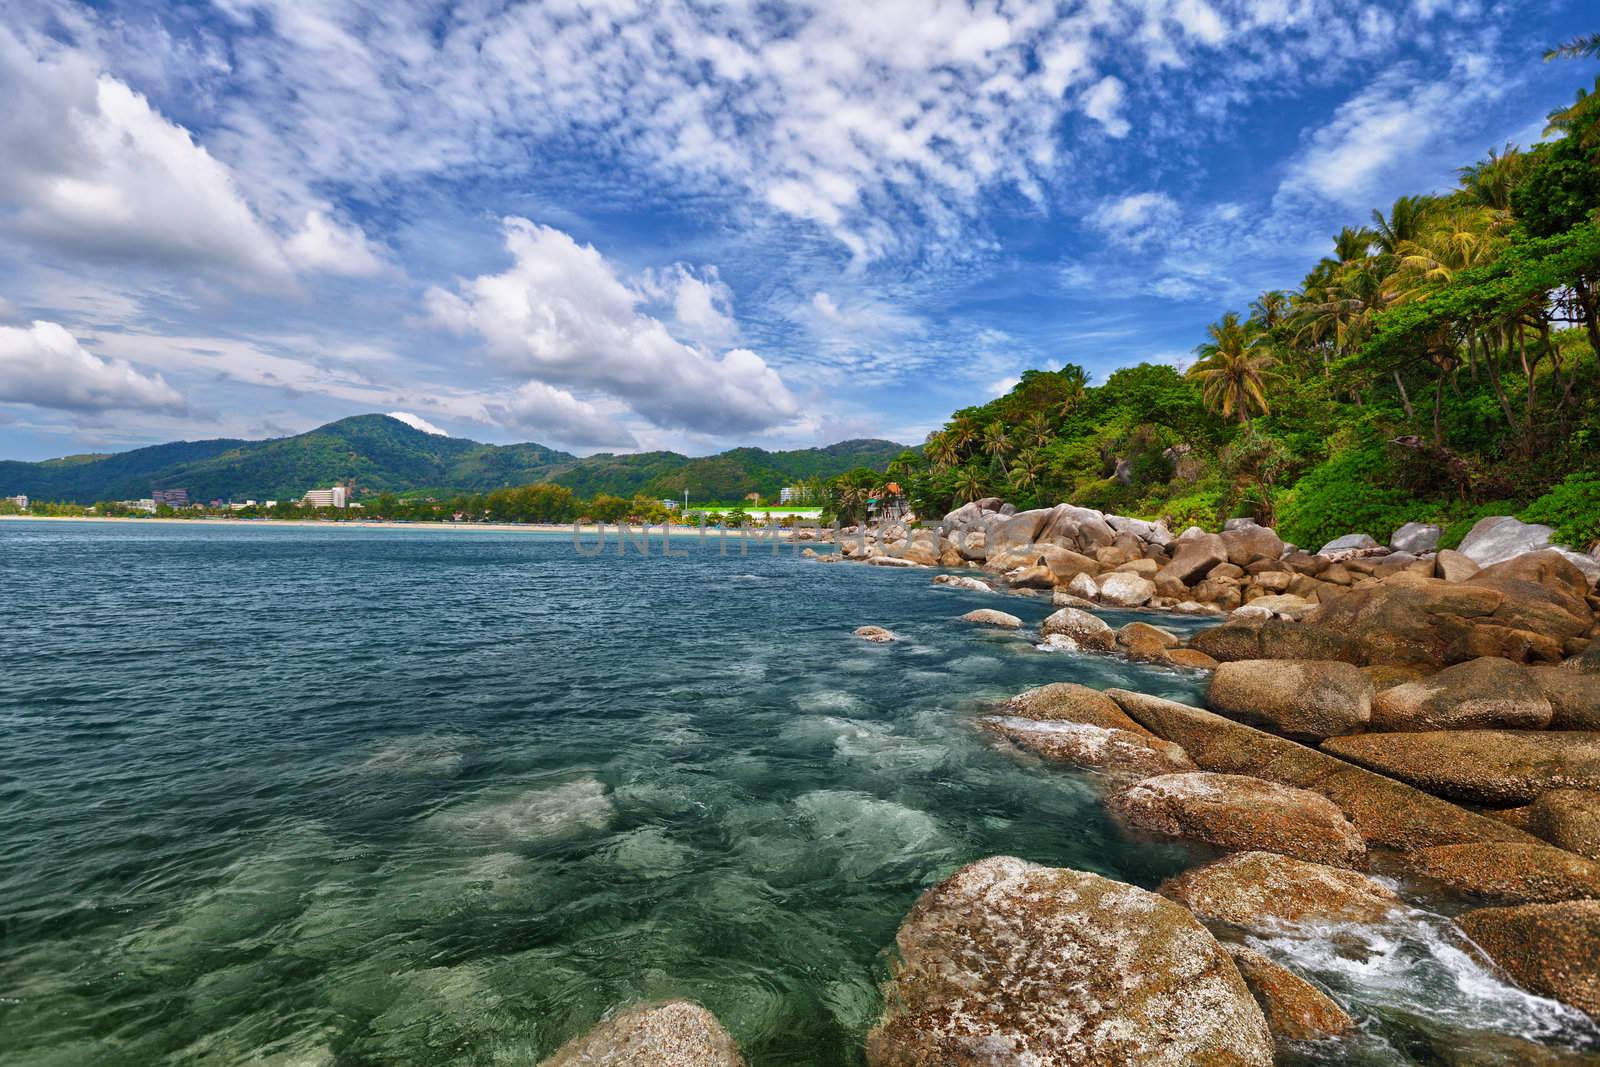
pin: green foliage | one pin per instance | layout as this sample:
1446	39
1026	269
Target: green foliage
1349	493
1573	508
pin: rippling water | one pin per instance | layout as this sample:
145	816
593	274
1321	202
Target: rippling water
313	797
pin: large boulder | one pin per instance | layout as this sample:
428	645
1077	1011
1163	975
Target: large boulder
1491	767
1452	566
1263	891
1083	629
1065	564
1235	812
1194	556
674	1034
1295	1009
1416	538
1386	812
1408	619
1248	543
1500	537
1569	819
1073	527
1270	639
1125	590
1479	694
1015	531
1542	593
1507	872
990	617
1122	755
1549	949
1009	962
1307	700
1070	702
1357	542
1574	698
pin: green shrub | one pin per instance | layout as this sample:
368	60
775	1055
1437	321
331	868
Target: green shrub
1573	508
1339	497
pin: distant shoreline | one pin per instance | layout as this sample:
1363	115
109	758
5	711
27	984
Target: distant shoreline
654	530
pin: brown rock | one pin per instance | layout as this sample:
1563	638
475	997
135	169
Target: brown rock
1574	697
1235	812
1306	563
1452	566
1226	570
1385	811
1508	873
1223	592
1387	675
1008	962
1302	699
1490	638
1144	633
1406	619
1295	1009
1481	693
1065	564
1089	631
1263	892
1191	658
674	1034
991	617
1569	819
1193	558
1070	702
1273	639
1247	544
1123	755
1499	768
876	634
1546	568
1587	661
1549	949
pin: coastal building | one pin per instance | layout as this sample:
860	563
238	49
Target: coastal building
336	497
19	500
669	504
172	498
792	494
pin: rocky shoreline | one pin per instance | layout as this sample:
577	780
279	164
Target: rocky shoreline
1386	728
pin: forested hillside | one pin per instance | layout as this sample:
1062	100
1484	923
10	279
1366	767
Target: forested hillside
1439	364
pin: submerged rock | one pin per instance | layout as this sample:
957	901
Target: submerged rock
1232	811
1550	949
876	634
674	1034
1508	873
991	617
1295	1009
1265	891
1385	811
1491	767
1309	700
1009	962
1482	693
1121	754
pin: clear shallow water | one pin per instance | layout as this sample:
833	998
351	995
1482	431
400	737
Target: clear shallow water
298	796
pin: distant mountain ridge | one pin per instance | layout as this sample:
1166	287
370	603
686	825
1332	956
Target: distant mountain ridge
378	453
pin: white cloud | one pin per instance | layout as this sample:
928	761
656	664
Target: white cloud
324	245
1103	103
1134	219
555	415
417	422
45	366
561	315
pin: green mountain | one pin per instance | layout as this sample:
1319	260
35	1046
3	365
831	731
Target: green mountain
376	453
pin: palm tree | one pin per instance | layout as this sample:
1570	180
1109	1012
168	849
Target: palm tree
962	432
1587	44
1406	221
995	441
1457	241
1075	385
1351	244
1490	182
1231	371
969	487
941	451
1270	309
1026	468
1037	430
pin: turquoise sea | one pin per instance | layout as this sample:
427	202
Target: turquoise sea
411	797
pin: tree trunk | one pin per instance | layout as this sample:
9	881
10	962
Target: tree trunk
1405	399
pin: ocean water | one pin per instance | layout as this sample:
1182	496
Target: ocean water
290	796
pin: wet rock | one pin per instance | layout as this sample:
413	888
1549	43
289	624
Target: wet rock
1416	538
1549	949
1507	872
1452	566
1125	590
1070	702
674	1034
1191	658
1265	891
1498	768
1235	812
991	617
1501	537
1062	599
1358	542
1309	700
1008	962
1574	698
1295	1009
1482	693
1569	819
1086	630
876	634
1083	588
959	581
1385	811
1121	754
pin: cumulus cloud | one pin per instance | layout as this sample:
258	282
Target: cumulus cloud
556	416
45	366
417	422
1134	219
1103	103
324	245
562	316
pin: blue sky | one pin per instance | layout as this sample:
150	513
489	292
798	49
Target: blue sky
621	225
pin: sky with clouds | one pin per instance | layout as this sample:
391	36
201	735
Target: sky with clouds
618	225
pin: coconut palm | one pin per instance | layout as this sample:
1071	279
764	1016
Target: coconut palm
941	451
1075	386
1233	370
969	486
1587	44
1489	182
1037	431
1458	240
1270	309
1406	221
1026	468
995	441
